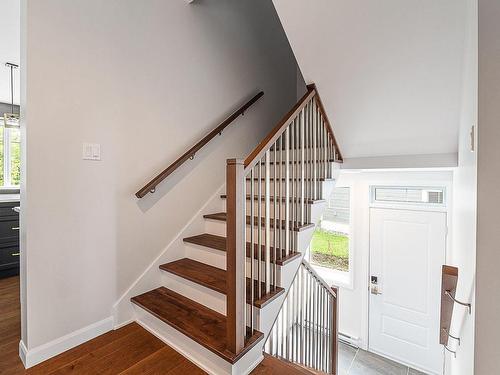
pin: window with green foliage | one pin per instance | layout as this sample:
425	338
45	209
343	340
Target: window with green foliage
10	157
330	249
330	244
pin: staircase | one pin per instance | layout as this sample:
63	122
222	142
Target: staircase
218	303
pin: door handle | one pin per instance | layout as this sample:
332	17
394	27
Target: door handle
374	290
374	285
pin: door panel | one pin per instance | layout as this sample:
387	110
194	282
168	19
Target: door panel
407	250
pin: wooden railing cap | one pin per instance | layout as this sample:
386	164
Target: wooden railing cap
235	161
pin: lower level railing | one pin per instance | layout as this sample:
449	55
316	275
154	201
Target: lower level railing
305	331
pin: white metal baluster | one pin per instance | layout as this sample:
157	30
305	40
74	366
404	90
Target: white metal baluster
330	158
280	333
315	160
328	335
325	150
310	304
302	167
275	251
311	160
252	244
280	195
259	233
292	187
294	319
313	317
320	143
306	161
287	191
267	219
323	329
296	201
287	325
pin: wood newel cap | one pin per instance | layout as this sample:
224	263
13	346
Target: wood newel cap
235	161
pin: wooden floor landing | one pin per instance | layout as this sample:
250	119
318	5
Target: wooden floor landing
128	350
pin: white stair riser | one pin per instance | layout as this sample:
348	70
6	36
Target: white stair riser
206	255
217	258
205	296
219	228
211	298
279	205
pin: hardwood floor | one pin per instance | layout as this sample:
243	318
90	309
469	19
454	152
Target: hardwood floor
10	326
129	350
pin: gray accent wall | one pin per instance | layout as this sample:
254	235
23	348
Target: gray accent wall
487	359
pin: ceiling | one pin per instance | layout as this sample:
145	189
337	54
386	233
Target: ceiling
9	47
389	71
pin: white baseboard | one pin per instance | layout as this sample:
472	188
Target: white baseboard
121	324
22	352
350	340
43	352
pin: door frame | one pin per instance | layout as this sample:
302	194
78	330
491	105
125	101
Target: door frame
446	208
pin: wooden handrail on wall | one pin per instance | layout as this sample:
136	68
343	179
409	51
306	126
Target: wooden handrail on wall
189	154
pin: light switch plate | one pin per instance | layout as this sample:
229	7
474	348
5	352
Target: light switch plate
91	151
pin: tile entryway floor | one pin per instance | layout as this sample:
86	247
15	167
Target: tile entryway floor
358	362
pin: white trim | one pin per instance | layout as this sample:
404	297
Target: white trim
350	340
22	352
32	357
122	324
253	365
449	160
342	279
413	205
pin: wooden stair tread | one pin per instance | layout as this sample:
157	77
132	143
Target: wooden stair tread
219	243
203	325
283	199
322	179
214	278
222	216
299	161
277	366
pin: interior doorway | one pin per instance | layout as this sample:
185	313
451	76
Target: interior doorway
407	250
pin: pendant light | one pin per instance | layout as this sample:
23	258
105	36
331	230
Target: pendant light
11	120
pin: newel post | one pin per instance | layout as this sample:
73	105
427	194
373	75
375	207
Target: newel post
335	331
235	254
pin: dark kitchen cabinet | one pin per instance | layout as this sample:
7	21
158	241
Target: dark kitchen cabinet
9	239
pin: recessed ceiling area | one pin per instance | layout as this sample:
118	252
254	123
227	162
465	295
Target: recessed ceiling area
389	72
9	47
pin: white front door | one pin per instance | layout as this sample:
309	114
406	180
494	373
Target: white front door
407	250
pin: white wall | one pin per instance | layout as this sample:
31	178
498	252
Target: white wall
463	254
353	303
487	360
145	79
389	71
